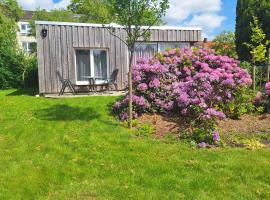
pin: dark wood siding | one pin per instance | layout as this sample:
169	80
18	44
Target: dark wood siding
56	52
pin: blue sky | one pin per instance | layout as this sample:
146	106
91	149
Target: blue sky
213	16
229	11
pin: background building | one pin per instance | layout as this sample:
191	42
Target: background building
25	40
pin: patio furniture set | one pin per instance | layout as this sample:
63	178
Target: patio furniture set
94	84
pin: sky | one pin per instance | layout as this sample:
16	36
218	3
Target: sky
213	16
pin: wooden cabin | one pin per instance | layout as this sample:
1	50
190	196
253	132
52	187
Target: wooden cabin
78	50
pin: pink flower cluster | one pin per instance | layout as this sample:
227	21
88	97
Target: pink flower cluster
267	88
191	83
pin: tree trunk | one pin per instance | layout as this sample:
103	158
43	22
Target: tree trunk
254	73
268	66
131	52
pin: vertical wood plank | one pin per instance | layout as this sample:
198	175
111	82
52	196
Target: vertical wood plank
58	55
47	62
85	36
75	36
80	36
64	52
40	56
195	36
187	36
53	67
70	56
199	35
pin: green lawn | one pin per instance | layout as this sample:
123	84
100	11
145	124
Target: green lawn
73	149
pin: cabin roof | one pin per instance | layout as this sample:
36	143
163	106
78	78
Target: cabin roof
115	25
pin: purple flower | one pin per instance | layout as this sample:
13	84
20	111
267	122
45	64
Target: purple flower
202	145
142	87
124	116
258	98
117	105
216	137
214	113
267	88
228	82
155	83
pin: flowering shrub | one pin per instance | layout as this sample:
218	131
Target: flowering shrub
262	99
194	84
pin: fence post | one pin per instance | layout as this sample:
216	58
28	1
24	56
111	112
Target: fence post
254	73
268	66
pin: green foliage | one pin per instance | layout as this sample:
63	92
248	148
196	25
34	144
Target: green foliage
29	70
135	14
251	141
240	105
145	129
10	55
11	9
94	11
224	44
16	67
245	10
60	15
258	42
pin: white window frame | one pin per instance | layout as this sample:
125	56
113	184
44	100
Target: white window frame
92	64
27	28
28	49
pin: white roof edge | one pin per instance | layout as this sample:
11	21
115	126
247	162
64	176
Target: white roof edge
115	25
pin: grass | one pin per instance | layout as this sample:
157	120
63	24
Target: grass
73	149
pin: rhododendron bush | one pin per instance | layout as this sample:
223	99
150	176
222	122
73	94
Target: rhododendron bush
195	85
262	99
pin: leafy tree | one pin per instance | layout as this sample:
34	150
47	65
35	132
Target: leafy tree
10	56
53	15
95	11
258	42
244	12
224	44
257	46
132	15
11	9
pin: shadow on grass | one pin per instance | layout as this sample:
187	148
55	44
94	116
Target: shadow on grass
67	113
25	92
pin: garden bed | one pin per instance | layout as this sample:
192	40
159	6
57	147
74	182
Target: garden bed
249	126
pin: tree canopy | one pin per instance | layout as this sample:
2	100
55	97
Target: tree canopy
94	11
224	44
245	11
10	58
53	15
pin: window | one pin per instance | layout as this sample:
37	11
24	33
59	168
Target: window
100	63
27	46
145	50
25	28
91	63
83	64
172	45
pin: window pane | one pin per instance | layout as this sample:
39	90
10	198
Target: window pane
83	64
145	50
172	45
23	27
24	46
100	63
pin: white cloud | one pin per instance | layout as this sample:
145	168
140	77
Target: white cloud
199	13
208	22
43	4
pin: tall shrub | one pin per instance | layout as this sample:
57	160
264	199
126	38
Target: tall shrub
193	84
244	12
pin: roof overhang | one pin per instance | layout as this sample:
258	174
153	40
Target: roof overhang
116	26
